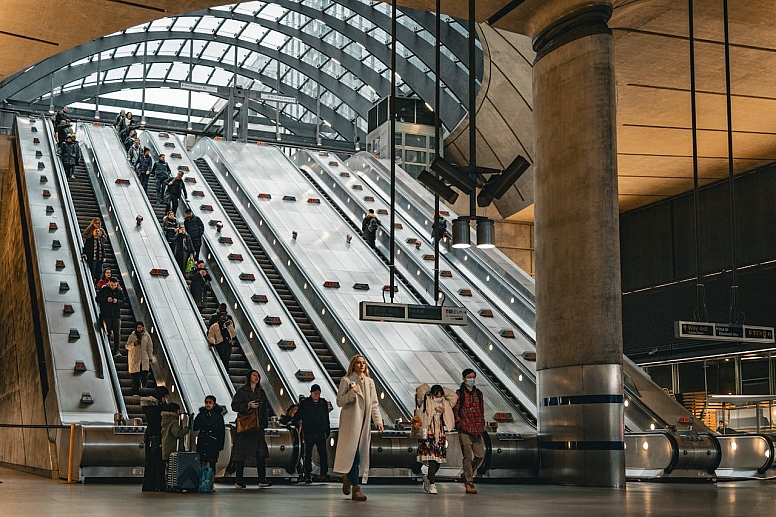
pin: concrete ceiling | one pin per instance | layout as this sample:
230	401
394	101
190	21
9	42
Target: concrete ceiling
652	73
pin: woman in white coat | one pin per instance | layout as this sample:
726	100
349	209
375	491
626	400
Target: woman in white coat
358	399
140	350
435	404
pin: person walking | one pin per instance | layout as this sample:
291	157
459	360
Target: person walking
469	414
143	168
182	248
153	476
313	412
103	281
209	424
170	226
161	171
110	299
176	188
250	400
134	153
216	315
369	226
220	336
94	253
70	154
140	351
196	229
436	412
200	283
358	399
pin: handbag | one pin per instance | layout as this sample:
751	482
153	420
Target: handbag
249	422
189	265
419	431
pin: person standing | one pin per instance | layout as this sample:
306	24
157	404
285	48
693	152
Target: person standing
210	425
134	153
357	397
176	188
121	121
153	476
469	413
196	229
140	352
161	171
251	400
200	282
143	168
220	335
111	298
95	223
170	226
172	430
94	253
369	226
216	315
182	248
436	405
104	279
314	415
70	154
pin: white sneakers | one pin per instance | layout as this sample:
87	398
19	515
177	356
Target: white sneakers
432	489
426	485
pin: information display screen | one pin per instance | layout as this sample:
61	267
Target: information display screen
723	332
384	311
424	312
403	313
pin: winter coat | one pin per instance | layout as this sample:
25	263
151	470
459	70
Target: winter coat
139	352
152	409
314	416
246	443
194	227
169	226
354	429
69	152
110	309
172	431
134	154
450	398
210	424
161	171
182	247
198	282
93	249
144	164
175	188
121	123
216	336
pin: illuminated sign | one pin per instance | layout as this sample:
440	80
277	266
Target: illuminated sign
723	332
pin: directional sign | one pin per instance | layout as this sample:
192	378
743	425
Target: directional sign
403	313
723	332
271	97
194	87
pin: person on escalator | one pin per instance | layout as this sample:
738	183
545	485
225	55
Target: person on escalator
106	276
174	190
170	226
182	248
70	155
140	351
110	299
134	153
121	121
161	171
196	229
63	129
211	432
369	226
153	476
129	140
469	413
94	253
217	314
143	168
200	283
95	223
220	335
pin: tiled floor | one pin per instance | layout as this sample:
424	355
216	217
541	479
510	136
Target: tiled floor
28	495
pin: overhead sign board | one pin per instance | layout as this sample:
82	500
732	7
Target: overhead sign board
723	332
194	87
404	313
271	97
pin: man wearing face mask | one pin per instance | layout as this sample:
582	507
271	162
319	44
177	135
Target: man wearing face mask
469	413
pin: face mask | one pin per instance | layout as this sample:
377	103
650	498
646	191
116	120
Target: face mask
438	400
470	382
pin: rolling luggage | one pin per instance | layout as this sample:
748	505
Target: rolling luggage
183	472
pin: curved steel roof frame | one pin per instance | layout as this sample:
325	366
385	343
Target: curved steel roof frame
339	107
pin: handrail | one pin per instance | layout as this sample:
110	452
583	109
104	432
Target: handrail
71	221
138	286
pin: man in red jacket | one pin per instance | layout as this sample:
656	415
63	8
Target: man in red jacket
469	414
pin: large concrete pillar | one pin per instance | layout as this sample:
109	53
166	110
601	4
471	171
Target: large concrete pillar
578	307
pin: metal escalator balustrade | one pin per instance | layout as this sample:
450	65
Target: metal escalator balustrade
283	349
407	355
165	301
517	384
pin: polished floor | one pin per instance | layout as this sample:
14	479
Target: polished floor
28	495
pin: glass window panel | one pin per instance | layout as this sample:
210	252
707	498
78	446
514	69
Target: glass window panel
170	47
215	50
208	25
158	70
415	141
230	28
414	156
115	74
253	32
179	72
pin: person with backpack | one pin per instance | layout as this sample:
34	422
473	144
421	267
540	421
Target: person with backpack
436	412
369	226
209	424
469	414
220	336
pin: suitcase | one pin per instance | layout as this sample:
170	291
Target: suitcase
183	472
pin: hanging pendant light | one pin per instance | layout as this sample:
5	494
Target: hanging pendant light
461	233
486	233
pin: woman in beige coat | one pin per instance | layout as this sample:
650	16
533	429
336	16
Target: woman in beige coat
140	350
358	399
435	404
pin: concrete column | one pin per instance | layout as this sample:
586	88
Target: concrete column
578	307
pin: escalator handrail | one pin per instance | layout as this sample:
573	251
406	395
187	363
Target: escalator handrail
138	285
100	340
405	412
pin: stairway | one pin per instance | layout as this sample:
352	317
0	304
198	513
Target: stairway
319	346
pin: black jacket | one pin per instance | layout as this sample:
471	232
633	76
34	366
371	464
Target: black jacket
161	170
210	425
143	164
198	282
152	409
169	226
109	309
93	249
175	188
194	227
69	152
314	416
181	245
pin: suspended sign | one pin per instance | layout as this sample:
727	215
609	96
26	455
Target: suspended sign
723	332
403	313
194	87
271	97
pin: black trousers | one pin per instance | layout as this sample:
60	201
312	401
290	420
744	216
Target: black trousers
261	466
318	440
113	325
224	350
172	204
69	169
143	177
138	381
197	244
153	476
95	267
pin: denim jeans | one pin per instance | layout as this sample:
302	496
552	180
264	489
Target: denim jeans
353	477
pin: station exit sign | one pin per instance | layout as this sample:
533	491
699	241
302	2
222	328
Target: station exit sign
403	313
723	332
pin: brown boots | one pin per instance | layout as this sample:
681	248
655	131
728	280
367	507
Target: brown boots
345	484
357	495
470	488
